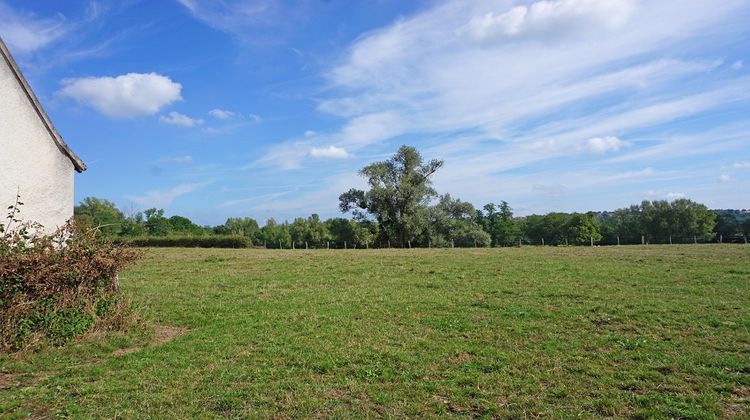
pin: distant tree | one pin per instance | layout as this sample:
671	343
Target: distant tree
582	228
746	227
242	226
299	230
499	223
317	232
276	235
184	226
133	225
452	221
342	230
156	224
399	192
727	225
97	212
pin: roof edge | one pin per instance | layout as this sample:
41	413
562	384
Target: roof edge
64	148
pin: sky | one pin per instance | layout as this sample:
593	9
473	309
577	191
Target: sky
265	108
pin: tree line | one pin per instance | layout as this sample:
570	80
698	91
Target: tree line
400	208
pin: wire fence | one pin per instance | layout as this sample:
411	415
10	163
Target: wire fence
519	242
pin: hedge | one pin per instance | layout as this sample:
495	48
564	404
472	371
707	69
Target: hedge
190	241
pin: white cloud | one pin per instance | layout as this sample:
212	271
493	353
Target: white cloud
126	96
310	133
737	65
661	195
724	178
245	19
600	145
496	99
221	114
162	199
330	152
26	34
741	165
255	118
175	118
552	19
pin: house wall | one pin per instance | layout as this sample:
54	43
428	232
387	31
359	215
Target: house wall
30	161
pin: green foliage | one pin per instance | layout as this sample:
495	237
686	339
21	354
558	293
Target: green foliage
96	212
51	285
399	192
242	226
213	241
156	224
581	229
659	220
276	235
498	221
311	231
179	225
452	222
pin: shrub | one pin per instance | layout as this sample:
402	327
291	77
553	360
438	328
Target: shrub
54	286
191	242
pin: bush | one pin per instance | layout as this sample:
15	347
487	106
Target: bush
55	286
191	242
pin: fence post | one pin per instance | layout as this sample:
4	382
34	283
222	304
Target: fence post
389	243
592	241
519	242
293	245
453	245
475	243
745	238
566	241
344	244
280	245
409	243
643	240
367	245
542	241
328	244
670	239
429	243
695	239
305	244
721	238
618	240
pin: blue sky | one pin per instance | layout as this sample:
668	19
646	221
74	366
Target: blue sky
257	108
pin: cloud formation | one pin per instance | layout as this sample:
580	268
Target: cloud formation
221	114
600	145
127	96
551	19
330	152
175	118
25	34
161	198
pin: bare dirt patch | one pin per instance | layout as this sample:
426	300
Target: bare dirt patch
8	380
460	357
164	334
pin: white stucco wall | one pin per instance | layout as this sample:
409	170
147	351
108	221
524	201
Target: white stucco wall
30	161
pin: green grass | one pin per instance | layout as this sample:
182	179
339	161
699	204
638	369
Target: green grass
656	331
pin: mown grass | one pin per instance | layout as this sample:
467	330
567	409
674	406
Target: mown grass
656	331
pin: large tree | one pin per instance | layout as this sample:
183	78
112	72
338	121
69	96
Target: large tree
399	192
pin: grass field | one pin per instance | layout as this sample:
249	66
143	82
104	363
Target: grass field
656	331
